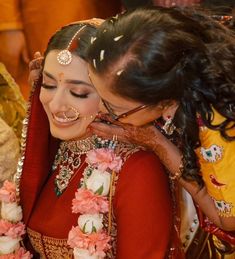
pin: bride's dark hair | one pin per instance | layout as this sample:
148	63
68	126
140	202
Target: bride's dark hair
60	40
156	54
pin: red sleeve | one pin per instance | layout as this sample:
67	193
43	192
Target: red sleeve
143	209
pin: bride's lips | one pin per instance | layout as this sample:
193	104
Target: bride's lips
62	122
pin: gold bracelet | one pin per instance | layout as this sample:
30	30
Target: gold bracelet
178	174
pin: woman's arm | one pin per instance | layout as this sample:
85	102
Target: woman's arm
143	209
170	156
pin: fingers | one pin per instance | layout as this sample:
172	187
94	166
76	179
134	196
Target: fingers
37	55
36	63
108	131
105	117
35	68
33	77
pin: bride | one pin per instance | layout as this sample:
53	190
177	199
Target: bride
81	196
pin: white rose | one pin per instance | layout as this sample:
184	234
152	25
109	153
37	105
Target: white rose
99	182
9	245
11	211
87	222
83	254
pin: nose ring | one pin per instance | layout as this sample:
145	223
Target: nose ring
74	116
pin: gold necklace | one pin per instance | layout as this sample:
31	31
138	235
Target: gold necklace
68	161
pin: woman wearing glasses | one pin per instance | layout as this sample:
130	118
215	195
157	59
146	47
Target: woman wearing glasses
159	66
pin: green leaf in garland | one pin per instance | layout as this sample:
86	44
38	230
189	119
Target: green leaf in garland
100	190
84	228
93	228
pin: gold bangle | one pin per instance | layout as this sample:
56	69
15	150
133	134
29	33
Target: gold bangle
178	174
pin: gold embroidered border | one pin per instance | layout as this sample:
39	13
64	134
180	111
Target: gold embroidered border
49	247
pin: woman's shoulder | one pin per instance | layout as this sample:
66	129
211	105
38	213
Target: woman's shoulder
130	152
141	163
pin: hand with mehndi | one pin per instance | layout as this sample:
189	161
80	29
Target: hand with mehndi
35	67
144	136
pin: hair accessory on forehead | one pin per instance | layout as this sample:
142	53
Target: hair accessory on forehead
118	38
64	57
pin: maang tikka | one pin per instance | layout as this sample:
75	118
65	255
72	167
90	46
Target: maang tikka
64	57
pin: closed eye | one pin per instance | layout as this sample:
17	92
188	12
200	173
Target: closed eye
46	86
79	95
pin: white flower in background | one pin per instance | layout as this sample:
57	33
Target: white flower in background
99	182
8	245
89	223
11	211
83	254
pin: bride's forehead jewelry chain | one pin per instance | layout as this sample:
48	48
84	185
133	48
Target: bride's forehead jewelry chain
64	57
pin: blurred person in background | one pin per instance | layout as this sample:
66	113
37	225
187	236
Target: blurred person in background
12	112
26	26
9	151
12	103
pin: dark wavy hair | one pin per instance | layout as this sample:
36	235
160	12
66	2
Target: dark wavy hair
172	54
60	40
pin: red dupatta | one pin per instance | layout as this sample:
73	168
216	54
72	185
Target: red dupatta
39	152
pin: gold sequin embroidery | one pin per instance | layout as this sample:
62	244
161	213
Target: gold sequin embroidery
49	247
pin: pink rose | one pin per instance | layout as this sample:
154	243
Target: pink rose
99	243
103	159
19	254
77	238
16	230
8	192
10	229
22	254
96	243
4	226
86	202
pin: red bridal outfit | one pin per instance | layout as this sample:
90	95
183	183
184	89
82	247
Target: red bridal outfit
142	218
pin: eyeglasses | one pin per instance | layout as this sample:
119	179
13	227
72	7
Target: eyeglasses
123	115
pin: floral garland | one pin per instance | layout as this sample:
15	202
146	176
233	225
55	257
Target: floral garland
11	227
93	199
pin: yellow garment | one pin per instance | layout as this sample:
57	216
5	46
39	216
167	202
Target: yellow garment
10	18
12	103
217	160
9	152
39	19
